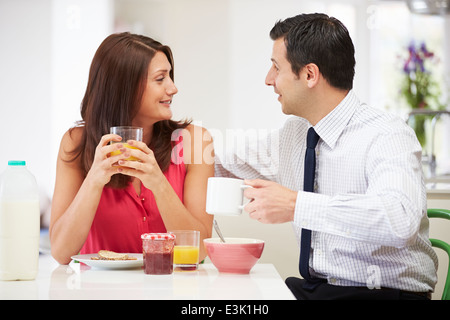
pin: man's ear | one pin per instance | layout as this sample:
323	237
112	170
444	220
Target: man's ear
312	74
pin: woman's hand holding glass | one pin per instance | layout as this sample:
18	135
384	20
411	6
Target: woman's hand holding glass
146	168
105	165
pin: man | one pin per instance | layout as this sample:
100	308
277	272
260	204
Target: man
365	208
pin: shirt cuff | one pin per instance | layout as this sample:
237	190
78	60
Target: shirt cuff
311	210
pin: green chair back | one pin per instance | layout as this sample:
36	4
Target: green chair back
443	214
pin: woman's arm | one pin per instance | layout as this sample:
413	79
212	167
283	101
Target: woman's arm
75	198
196	181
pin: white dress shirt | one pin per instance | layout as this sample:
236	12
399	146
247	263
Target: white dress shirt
368	212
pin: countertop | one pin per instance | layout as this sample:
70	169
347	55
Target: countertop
435	188
78	281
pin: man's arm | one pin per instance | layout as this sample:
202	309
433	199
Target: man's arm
389	213
247	156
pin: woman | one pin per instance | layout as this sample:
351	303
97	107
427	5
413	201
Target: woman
106	202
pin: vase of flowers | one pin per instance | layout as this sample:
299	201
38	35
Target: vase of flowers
419	89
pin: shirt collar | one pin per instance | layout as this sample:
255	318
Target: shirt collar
331	126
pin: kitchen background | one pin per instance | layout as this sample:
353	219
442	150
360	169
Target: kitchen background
222	53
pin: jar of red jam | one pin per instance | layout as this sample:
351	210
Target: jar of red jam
158	252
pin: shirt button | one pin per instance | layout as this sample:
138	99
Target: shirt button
144	218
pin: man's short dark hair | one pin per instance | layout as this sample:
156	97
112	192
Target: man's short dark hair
322	40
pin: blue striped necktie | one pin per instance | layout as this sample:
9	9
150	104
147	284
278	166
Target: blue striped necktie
308	185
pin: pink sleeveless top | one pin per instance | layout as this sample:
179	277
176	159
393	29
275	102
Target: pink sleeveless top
123	215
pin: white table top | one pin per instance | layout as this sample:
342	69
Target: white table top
78	281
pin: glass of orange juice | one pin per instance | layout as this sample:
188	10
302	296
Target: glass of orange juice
186	250
127	133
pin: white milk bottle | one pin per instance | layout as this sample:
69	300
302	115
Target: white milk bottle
19	223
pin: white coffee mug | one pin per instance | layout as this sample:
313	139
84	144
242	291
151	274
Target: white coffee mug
225	196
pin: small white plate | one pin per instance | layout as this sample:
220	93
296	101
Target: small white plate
110	264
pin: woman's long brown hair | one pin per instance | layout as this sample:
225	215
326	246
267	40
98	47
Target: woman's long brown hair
116	84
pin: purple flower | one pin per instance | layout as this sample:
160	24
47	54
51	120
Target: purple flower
416	59
426	53
417	80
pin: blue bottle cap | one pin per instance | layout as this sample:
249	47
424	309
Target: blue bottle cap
16	163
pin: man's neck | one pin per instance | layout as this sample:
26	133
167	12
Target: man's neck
326	101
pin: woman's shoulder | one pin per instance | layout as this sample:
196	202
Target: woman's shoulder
195	131
71	141
197	139
194	135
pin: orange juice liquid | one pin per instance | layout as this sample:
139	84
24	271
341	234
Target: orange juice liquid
126	145
185	255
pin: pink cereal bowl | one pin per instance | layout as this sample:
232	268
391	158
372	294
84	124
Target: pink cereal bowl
236	255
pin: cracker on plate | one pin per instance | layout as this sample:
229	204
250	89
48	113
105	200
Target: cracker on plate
111	255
